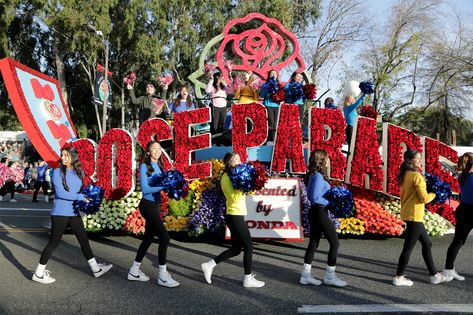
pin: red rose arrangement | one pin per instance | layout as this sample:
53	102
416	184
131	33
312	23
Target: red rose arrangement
320	118
435	149
444	210
366	157
243	140
368	111
310	91
288	144
86	150
156	129
280	95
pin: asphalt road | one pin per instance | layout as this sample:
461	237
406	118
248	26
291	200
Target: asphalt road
368	265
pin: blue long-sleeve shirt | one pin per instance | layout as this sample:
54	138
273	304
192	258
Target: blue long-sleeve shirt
350	110
41	177
150	191
291	99
63	199
466	190
267	98
182	106
318	186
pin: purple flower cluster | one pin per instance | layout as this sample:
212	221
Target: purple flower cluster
210	216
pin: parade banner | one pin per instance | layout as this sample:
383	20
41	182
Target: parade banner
40	108
274	212
102	88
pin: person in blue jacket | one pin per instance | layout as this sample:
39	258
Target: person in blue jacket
67	182
294	93
268	89
151	211
349	110
317	186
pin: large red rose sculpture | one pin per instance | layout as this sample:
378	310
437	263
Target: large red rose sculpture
365	160
242	139
116	156
185	144
156	129
259	48
327	132
288	144
434	150
395	141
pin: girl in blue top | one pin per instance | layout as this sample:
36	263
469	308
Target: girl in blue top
67	182
317	186
463	214
349	110
268	89
151	211
182	103
294	93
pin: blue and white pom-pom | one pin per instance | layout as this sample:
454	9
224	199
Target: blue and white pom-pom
173	184
243	177
94	194
340	201
442	190
367	87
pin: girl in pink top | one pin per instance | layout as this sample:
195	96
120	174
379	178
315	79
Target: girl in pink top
218	96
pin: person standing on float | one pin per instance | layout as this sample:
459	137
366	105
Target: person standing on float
235	220
463	214
272	107
67	182
218	91
319	221
349	111
150	210
294	93
414	196
247	94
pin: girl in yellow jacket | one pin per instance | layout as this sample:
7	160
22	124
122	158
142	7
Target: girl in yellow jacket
235	220
414	196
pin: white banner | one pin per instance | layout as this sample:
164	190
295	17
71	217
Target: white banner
275	211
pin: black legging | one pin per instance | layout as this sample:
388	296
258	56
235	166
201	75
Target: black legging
58	227
321	223
240	238
301	114
8	187
464	219
348	133
153	227
219	114
416	231
272	121
37	186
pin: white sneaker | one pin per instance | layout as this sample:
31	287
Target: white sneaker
331	278
439	278
1	198
45	279
165	280
251	282
402	281
307	278
103	268
207	272
13	200
46	198
140	276
452	273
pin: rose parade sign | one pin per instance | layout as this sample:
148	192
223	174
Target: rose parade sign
369	170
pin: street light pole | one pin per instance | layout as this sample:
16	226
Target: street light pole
105	100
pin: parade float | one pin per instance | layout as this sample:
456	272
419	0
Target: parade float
279	210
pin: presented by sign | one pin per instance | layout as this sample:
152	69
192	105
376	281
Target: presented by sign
274	212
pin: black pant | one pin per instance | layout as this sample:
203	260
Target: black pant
416	231
219	114
349	132
321	223
301	114
272	121
464	219
58	227
240	238
37	186
154	226
8	187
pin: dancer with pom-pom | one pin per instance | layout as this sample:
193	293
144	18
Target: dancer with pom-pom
67	183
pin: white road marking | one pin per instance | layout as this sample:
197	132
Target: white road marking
25	209
386	308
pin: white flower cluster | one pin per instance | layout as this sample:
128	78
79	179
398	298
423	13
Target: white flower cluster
112	213
435	224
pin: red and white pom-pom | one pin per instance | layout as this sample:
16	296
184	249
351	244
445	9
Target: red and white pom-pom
209	68
310	91
280	95
165	80
237	83
256	83
158	105
228	64
130	78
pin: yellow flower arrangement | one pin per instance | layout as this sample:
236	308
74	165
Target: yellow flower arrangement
351	226
177	224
